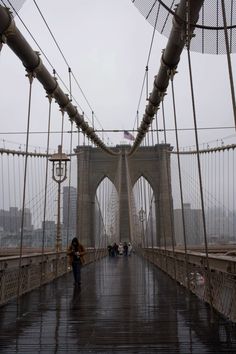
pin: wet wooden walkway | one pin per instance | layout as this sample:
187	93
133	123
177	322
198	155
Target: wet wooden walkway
125	305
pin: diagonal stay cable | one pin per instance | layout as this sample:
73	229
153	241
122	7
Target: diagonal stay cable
43	53
66	61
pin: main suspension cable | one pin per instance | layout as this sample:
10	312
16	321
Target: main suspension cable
145	78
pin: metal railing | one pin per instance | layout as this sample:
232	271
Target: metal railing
222	273
35	270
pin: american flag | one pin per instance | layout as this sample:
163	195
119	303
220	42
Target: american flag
128	135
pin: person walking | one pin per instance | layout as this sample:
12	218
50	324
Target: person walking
125	248
76	253
129	249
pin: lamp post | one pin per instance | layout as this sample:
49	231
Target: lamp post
59	175
142	217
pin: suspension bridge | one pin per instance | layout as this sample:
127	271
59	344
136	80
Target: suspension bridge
176	292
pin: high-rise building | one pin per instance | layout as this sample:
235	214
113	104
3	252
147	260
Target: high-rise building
69	208
193	225
10	220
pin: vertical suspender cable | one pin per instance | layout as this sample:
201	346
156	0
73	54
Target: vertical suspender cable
152	135
62	126
14	186
164	122
198	157
233	176
46	188
8	177
229	61
163	227
223	198
210	184
69	187
30	77
169	177
200	183
146	72
180	180
3	193
157	128
228	192
93	124
219	189
215	193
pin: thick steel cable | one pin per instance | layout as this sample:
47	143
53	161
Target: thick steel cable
188	38
233	192
163	119
69	188
62	126
163	226
33	187
180	180
209	178
14	187
145	78
62	54
32	62
8	179
215	189
3	193
219	188
169	179
46	187
60	50
229	61
170	60
30	77
200	183
223	184
152	134
228	191
81	165
157	128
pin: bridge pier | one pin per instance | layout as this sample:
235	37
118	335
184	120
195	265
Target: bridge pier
152	163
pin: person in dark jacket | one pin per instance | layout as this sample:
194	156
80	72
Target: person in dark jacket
76	253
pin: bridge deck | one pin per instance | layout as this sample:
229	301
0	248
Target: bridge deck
124	306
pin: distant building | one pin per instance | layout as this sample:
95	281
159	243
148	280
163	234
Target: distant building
69	208
49	228
193	225
221	225
10	220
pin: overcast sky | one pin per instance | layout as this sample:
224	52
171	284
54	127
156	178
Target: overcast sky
106	43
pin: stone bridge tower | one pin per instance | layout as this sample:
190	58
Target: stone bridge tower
152	163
